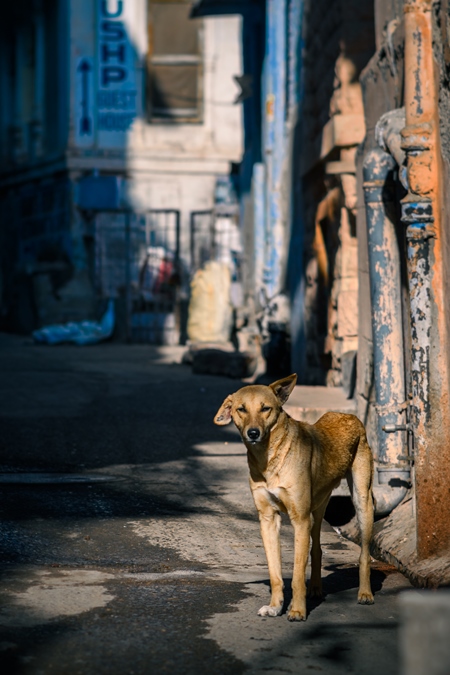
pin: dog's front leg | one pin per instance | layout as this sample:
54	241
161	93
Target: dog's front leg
302	531
270	522
270	532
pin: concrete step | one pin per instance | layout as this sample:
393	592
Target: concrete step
307	404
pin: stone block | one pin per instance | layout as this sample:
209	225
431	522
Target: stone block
238	365
347	314
348	182
341	131
348	259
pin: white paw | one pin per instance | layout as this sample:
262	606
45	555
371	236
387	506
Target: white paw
267	610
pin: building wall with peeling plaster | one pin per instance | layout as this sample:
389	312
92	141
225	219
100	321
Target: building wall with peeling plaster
44	150
353	71
338	43
401	35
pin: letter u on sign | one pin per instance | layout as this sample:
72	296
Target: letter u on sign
107	10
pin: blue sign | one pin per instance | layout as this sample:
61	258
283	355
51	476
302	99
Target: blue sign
84	102
117	93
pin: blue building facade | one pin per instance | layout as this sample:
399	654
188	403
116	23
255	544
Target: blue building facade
271	213
131	91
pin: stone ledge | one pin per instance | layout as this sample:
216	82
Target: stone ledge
394	542
307	404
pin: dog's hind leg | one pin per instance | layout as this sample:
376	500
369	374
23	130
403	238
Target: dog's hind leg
315	582
361	488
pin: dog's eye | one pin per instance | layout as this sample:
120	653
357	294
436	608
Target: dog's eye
266	408
241	409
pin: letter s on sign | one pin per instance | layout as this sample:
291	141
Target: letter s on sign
113	30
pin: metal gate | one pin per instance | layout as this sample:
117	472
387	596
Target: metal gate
154	303
138	260
215	235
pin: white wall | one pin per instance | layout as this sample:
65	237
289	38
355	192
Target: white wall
157	147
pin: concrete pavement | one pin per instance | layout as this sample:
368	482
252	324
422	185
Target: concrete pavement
154	563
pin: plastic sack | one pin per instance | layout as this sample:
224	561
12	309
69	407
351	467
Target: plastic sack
80	332
210	312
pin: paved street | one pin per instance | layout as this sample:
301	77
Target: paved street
147	558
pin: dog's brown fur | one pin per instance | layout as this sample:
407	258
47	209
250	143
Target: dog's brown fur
294	467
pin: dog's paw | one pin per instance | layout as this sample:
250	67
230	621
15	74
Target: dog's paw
268	610
365	599
296	615
315	592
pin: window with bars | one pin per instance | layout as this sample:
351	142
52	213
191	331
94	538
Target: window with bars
174	64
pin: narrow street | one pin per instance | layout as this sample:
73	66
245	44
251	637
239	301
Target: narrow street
130	544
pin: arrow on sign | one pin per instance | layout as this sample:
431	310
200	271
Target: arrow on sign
85	123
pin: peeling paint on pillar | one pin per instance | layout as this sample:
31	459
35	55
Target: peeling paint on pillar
418	236
385	288
421	212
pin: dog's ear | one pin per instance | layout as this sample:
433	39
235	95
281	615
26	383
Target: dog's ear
283	388
223	415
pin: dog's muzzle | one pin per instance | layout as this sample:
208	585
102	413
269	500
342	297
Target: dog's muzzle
253	435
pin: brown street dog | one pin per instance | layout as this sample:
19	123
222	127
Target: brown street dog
294	467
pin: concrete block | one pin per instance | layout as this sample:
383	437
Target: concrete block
237	365
425	632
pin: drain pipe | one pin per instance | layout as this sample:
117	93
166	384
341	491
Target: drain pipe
392	474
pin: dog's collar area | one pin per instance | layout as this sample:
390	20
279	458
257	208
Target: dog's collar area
276	423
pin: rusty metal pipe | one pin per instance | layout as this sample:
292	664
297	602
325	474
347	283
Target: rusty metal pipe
392	478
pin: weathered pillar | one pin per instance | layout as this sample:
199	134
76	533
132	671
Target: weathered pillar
421	213
258	225
274	142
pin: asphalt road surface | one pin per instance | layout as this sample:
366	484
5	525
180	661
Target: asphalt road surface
129	541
